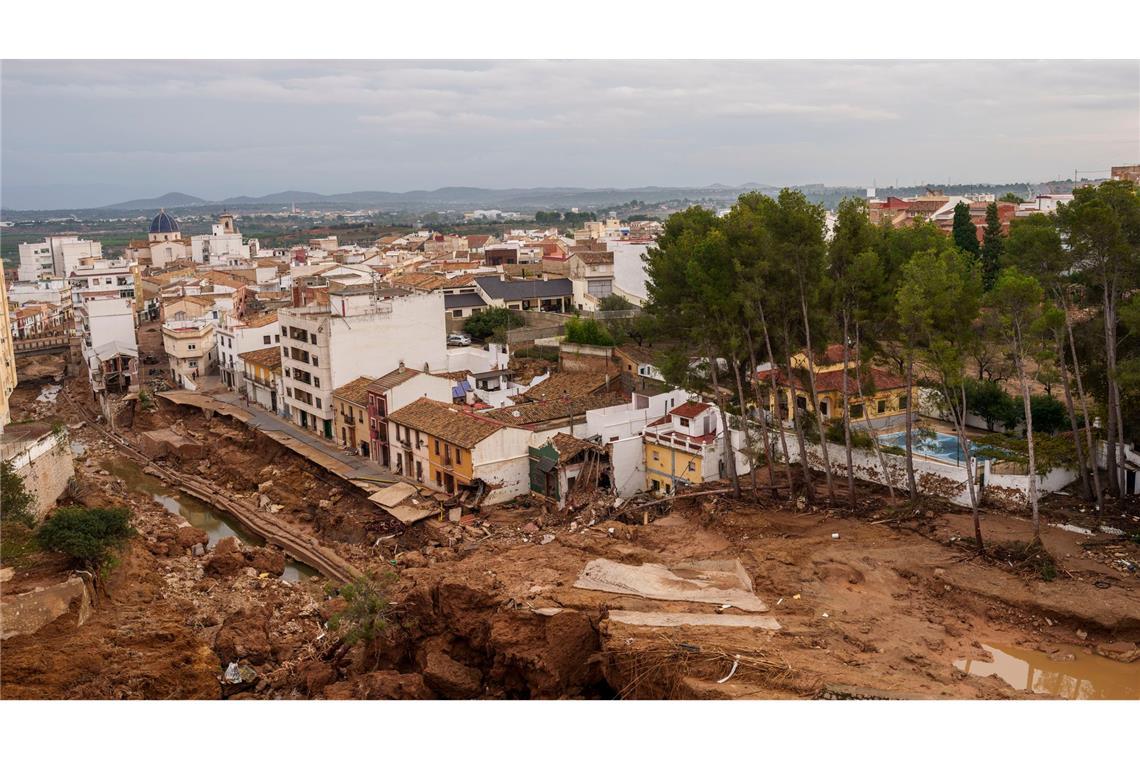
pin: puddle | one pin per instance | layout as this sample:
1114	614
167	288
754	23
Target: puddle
196	512
1087	676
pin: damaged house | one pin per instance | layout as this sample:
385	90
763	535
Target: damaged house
569	470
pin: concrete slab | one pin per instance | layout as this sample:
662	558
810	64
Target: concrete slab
675	619
690	582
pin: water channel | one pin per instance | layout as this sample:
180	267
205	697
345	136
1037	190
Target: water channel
198	513
1085	676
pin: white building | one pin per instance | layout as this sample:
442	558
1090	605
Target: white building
55	291
362	331
56	256
223	245
106	328
237	336
1043	204
105	278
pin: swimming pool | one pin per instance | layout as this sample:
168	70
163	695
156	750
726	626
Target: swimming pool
944	446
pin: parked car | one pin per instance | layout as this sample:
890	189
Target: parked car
459	339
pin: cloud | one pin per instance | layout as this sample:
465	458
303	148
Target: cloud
215	128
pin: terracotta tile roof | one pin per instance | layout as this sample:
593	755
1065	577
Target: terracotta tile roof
354	392
457	375
569	447
538	412
595	258
689	409
420	281
637	354
270	358
566	384
224	278
387	382
447	422
477	241
260	320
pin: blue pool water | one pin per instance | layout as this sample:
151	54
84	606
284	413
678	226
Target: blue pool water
942	446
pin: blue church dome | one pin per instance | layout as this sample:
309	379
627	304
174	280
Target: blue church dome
164	222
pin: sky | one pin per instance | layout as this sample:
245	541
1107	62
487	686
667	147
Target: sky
91	133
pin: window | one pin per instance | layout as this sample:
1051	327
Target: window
318	403
457	312
316	382
692	466
882	406
264	341
458	455
902	401
276	338
314	337
420	472
439	478
684	422
191	346
856	411
288	391
656	458
437	447
315	362
283	332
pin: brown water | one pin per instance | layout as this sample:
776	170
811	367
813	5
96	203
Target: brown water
195	511
1087	676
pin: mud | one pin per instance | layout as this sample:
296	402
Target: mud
888	603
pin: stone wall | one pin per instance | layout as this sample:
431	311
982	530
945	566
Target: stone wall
46	465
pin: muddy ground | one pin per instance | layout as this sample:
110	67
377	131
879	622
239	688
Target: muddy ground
875	604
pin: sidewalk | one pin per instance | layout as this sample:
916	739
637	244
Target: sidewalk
312	447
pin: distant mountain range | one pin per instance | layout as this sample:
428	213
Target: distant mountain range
521	199
445	197
170	200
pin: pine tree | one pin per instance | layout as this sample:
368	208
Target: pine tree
993	244
965	231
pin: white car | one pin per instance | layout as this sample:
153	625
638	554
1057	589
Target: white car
459	339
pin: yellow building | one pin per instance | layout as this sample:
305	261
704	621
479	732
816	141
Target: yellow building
7	355
351	422
451	449
880	403
682	448
261	375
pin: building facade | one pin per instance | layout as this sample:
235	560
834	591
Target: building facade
360	331
189	346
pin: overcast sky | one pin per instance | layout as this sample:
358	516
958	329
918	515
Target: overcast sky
86	133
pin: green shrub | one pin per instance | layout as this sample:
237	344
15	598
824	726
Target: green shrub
588	332
90	537
15	500
366	613
484	324
547	353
